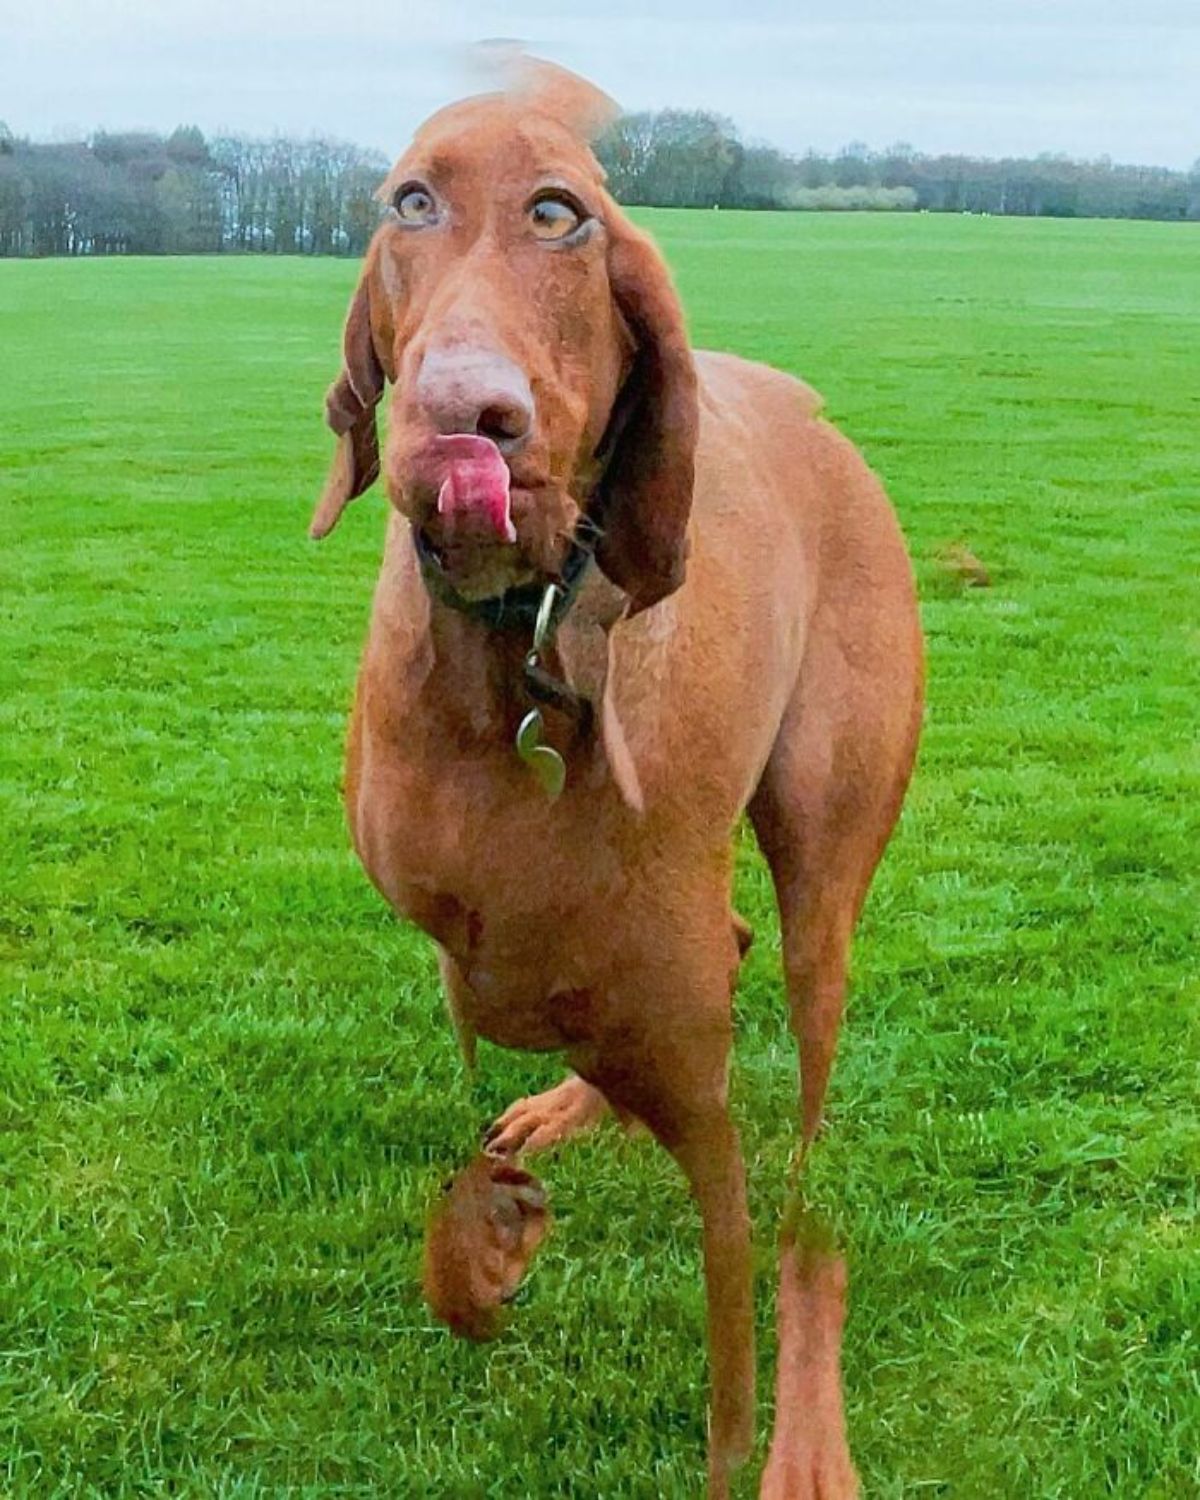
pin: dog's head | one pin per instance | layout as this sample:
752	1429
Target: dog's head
535	348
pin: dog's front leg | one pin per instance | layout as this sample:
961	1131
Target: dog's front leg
677	1085
712	1159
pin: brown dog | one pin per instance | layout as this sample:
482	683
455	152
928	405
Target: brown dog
735	631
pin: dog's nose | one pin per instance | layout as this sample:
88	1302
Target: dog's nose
476	391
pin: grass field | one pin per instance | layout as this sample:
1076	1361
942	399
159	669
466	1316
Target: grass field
227	1090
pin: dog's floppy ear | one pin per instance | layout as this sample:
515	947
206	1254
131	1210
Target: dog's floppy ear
650	471
350	410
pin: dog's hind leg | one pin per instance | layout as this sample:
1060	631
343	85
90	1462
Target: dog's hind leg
809	1458
823	812
819	886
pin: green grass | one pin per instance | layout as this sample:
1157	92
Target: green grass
227	1089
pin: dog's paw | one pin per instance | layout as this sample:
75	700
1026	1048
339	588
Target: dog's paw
480	1239
809	1457
545	1120
815	1473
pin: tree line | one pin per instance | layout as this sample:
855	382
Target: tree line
141	193
691	158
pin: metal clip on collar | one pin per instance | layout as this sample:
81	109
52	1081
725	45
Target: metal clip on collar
543	760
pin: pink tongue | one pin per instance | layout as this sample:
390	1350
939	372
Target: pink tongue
475	489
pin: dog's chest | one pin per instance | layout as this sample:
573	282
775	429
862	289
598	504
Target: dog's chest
527	897
529	968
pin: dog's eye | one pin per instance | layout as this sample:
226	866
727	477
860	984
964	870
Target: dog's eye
414	205
554	218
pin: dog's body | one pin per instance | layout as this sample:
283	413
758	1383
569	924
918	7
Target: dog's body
794	633
782	677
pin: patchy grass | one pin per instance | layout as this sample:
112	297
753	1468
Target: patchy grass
226	1086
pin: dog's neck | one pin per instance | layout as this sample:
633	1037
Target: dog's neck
476	672
480	676
462	686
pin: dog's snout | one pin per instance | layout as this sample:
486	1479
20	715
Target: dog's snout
476	391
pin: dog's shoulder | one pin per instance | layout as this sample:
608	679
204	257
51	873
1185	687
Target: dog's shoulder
767	451
731	385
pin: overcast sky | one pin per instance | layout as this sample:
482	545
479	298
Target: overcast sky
993	77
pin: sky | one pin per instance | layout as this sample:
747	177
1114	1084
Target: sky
987	77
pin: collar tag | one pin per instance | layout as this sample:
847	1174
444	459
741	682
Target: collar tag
548	767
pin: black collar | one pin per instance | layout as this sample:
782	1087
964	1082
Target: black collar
521	609
517	608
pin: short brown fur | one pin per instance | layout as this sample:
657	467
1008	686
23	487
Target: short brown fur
750	643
